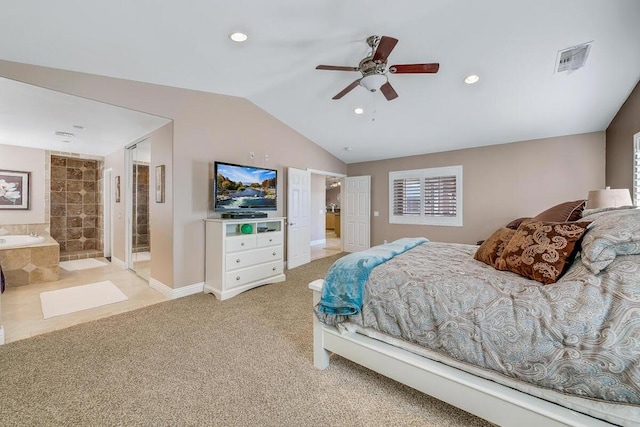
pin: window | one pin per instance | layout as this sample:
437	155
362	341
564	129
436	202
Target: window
426	196
636	169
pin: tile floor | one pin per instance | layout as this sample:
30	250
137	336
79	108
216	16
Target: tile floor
22	314
331	247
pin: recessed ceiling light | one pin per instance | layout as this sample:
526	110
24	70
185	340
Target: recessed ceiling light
473	78
347	148
78	126
66	141
358	110
238	37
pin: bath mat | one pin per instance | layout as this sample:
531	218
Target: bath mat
81	264
77	298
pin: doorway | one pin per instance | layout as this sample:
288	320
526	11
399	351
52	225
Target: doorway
138	218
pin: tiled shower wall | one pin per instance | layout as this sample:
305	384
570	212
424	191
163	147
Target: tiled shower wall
140	235
75	205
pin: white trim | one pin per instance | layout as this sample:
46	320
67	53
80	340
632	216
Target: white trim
118	262
1	335
487	399
327	173
174	293
318	242
635	174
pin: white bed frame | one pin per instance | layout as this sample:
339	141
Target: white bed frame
487	399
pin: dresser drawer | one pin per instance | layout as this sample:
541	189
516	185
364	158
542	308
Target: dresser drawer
269	239
257	256
251	274
241	243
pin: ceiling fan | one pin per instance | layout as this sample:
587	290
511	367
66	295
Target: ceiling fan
373	68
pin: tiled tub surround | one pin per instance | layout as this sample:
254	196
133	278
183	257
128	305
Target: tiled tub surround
31	264
74	213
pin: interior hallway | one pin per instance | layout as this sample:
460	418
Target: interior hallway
330	247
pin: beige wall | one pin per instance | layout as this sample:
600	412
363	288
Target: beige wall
206	127
318	185
500	183
26	160
620	142
161	214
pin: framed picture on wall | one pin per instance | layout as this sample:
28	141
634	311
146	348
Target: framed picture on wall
14	189
160	184
117	188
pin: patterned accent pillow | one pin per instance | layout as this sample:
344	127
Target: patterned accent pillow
491	249
542	250
612	233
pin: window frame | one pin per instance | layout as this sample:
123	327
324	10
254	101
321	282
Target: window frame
422	218
635	174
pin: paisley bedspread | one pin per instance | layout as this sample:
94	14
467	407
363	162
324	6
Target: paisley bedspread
579	336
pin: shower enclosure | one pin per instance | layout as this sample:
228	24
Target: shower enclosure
138	196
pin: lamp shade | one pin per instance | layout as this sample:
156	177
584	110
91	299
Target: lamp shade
373	82
609	198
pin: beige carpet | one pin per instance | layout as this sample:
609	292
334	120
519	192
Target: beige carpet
77	298
196	361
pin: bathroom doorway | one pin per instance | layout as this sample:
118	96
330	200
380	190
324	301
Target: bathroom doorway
138	198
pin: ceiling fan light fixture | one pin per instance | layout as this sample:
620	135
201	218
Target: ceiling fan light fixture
471	79
238	37
373	82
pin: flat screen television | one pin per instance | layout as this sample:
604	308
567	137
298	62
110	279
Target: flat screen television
244	188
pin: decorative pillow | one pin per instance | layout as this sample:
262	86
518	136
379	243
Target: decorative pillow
491	249
542	250
516	223
612	233
564	212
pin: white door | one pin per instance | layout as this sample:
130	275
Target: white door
356	213
298	217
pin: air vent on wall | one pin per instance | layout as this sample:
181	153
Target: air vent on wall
572	58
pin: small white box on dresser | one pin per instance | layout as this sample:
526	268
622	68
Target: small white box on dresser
242	254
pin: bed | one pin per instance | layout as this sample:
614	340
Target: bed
486	337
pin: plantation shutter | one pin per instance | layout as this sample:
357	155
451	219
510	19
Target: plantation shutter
440	196
406	196
426	196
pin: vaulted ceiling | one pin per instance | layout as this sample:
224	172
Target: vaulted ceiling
511	45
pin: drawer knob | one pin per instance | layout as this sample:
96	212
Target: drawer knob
242	244
238	260
237	277
274	254
274	269
271	240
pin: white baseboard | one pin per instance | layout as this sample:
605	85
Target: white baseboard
1	335
172	293
318	242
118	263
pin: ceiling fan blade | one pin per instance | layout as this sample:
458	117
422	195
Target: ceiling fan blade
347	89
414	68
336	68
385	46
388	91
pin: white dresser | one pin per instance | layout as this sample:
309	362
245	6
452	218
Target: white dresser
242	254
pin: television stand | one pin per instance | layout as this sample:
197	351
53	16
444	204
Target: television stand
242	254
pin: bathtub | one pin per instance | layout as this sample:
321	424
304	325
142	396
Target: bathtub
18	241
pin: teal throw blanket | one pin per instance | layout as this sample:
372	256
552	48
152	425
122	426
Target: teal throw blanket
344	283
